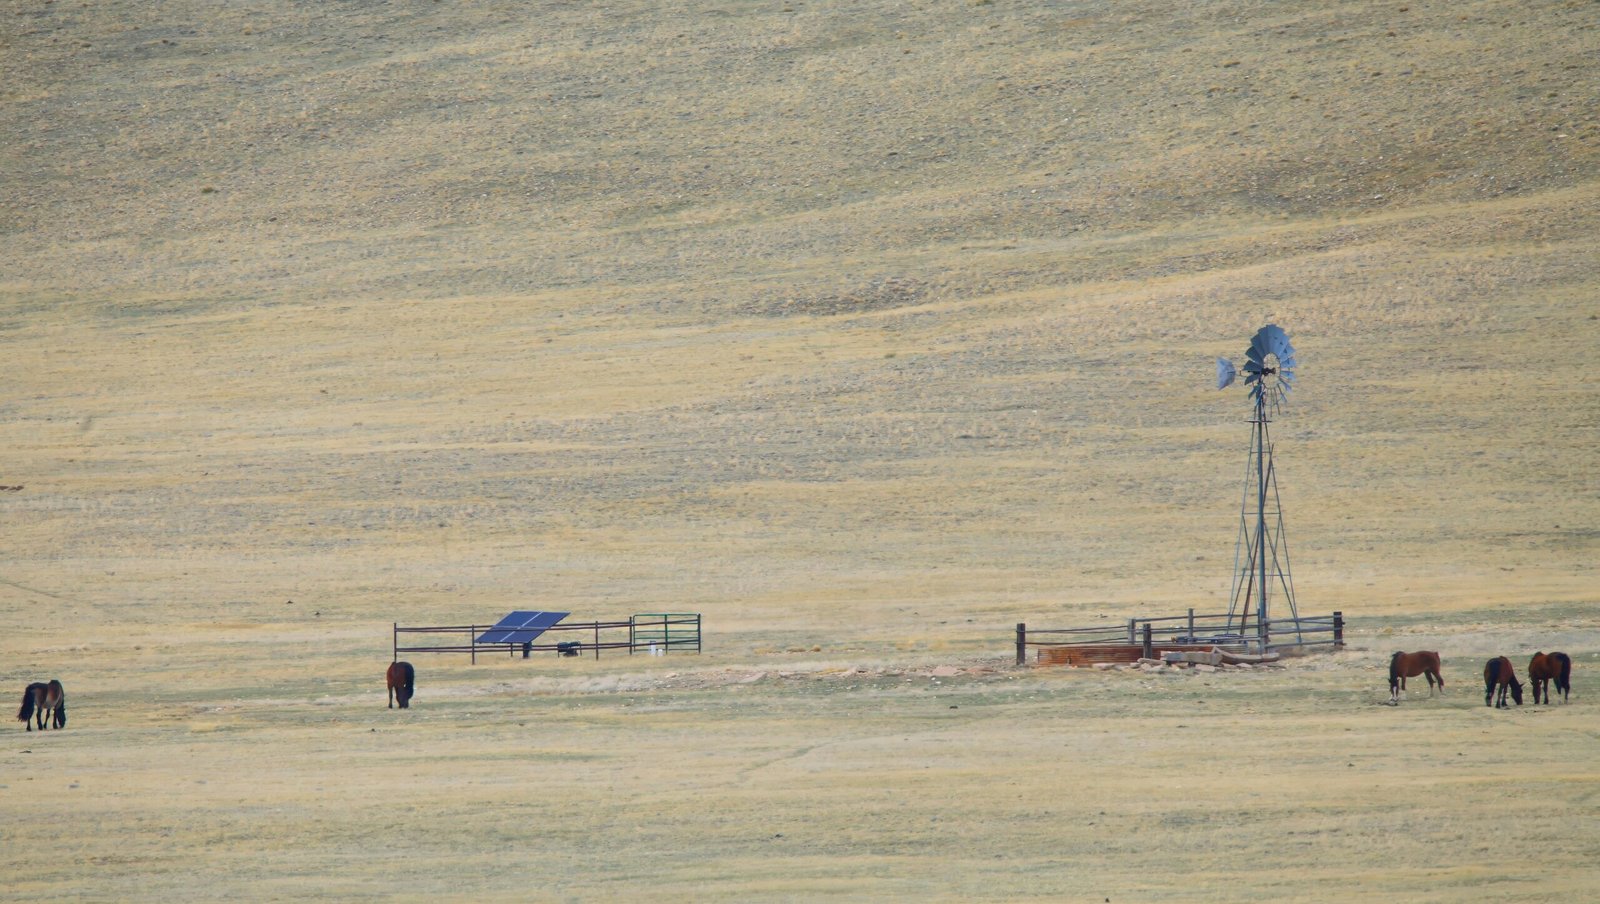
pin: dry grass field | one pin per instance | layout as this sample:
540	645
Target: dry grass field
867	330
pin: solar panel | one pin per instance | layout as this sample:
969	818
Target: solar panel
521	627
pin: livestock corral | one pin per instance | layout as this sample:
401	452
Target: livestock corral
652	633
1152	638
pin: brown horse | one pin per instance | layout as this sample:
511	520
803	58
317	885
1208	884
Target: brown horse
402	684
41	700
1499	675
1410	665
1545	666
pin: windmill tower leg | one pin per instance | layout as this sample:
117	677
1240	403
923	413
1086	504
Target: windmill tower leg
1263	448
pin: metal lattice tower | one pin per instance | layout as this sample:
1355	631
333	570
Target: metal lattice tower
1261	569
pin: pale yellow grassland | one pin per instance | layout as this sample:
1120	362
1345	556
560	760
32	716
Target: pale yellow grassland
867	330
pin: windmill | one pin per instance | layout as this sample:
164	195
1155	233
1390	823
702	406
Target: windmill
1261	556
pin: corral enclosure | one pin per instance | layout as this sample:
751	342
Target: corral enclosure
867	330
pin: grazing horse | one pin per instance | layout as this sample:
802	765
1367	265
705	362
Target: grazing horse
1545	666
1498	674
402	684
41	700
1410	665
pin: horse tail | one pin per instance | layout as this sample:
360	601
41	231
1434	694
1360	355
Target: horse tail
1491	671
1438	669
26	712
1564	676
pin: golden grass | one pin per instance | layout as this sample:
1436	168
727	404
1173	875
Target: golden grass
867	331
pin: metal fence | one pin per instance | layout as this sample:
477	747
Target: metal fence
651	633
1191	630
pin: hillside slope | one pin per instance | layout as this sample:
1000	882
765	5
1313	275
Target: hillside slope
808	315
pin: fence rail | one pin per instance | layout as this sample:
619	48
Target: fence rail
1191	631
658	633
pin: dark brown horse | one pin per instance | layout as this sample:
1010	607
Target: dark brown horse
1410	665
41	700
402	684
1499	675
1545	666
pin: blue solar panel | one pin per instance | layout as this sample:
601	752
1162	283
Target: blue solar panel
521	627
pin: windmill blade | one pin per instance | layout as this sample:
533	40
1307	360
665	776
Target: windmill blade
1271	339
1226	373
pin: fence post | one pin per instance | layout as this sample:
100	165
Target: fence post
1191	625
472	641
1132	631
1338	630
1149	648
597	640
396	642
1022	643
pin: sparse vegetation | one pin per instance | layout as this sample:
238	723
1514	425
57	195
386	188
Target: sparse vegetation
868	330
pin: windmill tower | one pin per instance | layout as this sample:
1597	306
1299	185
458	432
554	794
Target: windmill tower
1261	557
